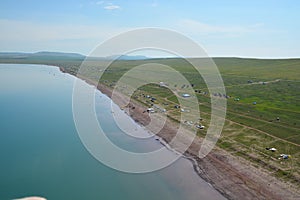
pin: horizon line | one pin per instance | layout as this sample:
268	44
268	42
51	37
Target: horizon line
155	57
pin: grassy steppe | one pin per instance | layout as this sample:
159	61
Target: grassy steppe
273	84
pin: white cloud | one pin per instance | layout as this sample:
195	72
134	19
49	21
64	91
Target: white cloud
100	2
197	27
112	7
25	30
29	36
106	5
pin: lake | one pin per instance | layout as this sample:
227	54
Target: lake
42	155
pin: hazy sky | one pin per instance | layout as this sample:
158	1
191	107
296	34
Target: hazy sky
256	28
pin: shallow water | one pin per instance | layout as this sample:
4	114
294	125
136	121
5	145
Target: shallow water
42	155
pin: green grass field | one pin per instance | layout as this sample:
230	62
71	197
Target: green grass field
274	121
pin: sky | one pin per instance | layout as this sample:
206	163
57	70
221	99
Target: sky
256	28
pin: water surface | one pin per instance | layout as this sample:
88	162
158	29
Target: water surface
42	155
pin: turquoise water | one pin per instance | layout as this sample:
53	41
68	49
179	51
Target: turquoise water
42	155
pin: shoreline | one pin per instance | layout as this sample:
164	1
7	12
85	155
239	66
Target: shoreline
233	177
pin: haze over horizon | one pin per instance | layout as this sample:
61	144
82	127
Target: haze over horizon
267	29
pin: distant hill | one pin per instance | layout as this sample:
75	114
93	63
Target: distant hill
126	57
59	54
45	55
13	55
